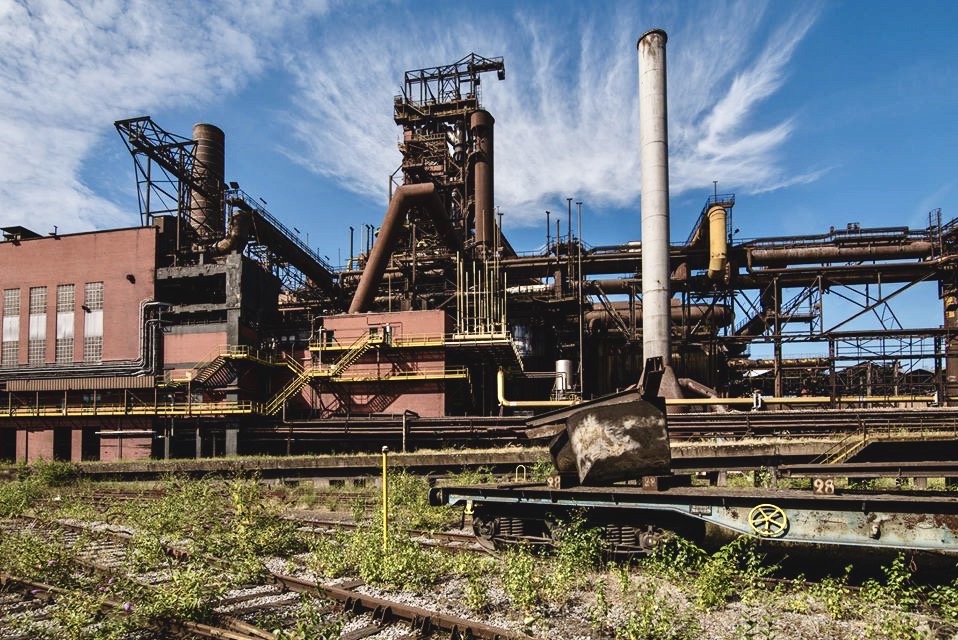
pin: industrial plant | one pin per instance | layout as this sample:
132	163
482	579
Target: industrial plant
212	329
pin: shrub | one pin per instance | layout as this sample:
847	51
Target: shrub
655	617
409	504
945	599
715	584
835	596
477	572
190	593
310	624
520	580
44	558
599	611
674	557
18	496
578	549
54	473
899	586
405	563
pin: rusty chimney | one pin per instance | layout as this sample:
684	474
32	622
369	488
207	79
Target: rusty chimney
481	124
207	217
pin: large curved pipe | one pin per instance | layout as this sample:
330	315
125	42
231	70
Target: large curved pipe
238	235
501	396
404	198
718	243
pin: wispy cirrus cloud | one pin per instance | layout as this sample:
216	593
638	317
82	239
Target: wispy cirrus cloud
68	69
567	116
567	120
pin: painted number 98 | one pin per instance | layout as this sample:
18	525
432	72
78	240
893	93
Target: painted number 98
823	486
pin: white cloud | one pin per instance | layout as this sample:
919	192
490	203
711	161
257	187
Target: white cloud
68	69
567	117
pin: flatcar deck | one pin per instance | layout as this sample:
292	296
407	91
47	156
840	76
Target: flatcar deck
899	520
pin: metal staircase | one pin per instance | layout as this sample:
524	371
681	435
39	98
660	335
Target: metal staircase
356	351
852	445
845	449
300	377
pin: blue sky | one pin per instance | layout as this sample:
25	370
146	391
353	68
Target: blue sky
814	114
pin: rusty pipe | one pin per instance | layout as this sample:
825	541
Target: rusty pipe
719	315
238	235
404	198
833	253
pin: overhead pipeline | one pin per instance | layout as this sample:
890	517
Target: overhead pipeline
782	256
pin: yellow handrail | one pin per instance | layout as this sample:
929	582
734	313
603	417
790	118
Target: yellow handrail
159	409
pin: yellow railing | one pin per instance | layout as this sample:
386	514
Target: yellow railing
419	341
453	373
244	352
294	386
168	409
294	365
402	341
231	352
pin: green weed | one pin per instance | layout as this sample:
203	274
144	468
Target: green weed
310	624
834	596
656	617
520	579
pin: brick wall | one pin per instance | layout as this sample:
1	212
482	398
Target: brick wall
124	260
183	350
125	447
425	397
34	445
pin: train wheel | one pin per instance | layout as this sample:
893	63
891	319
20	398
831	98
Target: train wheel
651	537
486	529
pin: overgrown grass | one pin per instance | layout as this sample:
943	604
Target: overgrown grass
667	595
359	552
34	483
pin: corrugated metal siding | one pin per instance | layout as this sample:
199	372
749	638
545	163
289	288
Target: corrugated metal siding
77	384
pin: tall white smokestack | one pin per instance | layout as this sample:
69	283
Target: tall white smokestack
654	140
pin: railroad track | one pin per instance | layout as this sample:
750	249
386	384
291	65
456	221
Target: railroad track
334	499
451	541
104	552
810	422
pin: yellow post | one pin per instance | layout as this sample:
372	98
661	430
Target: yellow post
385	502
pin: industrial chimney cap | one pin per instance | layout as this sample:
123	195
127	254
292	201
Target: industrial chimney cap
209	127
661	32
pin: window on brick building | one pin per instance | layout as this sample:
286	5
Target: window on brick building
93	322
10	345
37	339
66	303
